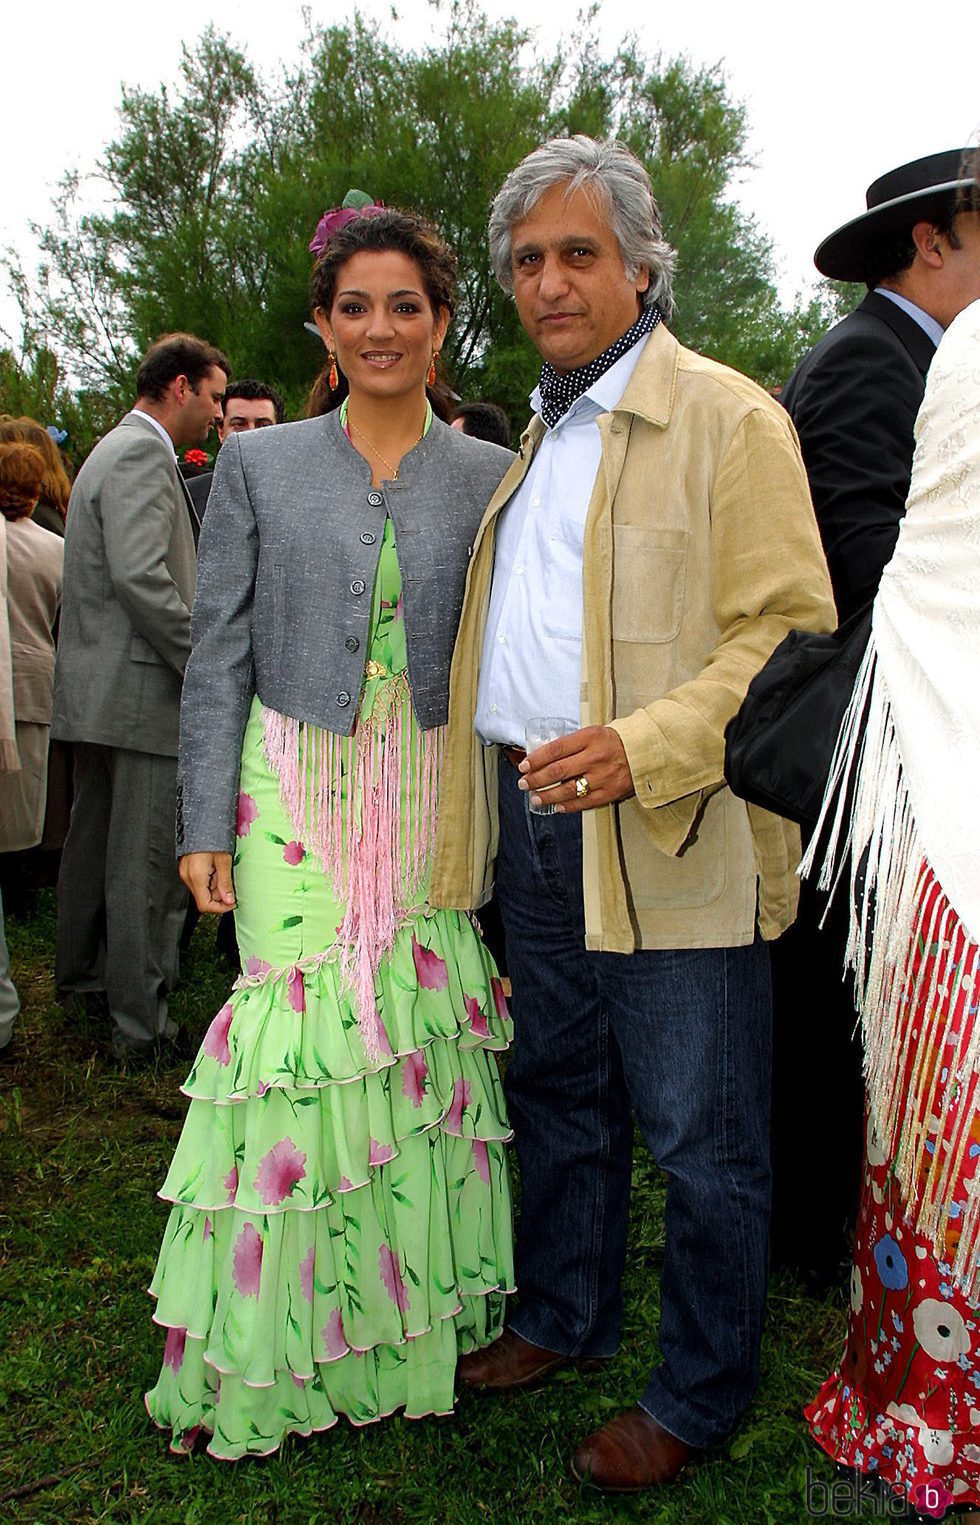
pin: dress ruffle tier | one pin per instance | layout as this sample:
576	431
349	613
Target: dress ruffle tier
333	1259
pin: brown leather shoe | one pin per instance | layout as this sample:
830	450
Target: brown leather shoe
630	1453
511	1362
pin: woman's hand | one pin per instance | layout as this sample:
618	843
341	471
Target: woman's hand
208	877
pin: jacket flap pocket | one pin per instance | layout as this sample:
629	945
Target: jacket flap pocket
141	651
649	575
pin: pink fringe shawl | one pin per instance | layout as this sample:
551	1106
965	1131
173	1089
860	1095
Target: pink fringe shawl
365	806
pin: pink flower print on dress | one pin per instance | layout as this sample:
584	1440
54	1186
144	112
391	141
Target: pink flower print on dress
173	1350
279	1172
430	969
332	1335
380	1154
391	1278
478	1022
497	986
246	1266
230	1184
208	1230
293	853
344	1185
256	966
453	1120
481	1160
381	1033
216	1037
414	1073
306	1273
262	1089
248	811
296	990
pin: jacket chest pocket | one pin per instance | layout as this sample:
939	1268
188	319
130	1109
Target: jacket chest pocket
649	578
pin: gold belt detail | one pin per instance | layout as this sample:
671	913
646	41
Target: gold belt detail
373	669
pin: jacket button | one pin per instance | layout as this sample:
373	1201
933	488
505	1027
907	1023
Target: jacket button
367	538
343	698
352	643
357	586
375	499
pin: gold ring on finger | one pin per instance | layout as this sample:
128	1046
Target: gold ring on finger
581	787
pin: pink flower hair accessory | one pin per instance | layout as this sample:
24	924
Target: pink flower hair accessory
355	204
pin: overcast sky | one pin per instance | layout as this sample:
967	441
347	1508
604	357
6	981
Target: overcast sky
836	93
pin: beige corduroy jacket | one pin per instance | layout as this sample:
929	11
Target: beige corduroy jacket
700	552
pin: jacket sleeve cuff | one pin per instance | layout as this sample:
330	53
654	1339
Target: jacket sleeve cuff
667	823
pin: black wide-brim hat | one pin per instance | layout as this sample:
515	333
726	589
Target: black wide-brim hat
927	190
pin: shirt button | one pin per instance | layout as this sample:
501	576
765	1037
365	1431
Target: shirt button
343	698
357	586
493	709
519	571
367	538
375	499
352	643
502	639
535	502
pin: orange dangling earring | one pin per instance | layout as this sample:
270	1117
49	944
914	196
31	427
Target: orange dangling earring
333	380
430	379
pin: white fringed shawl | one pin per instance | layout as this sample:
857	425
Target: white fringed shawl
910	742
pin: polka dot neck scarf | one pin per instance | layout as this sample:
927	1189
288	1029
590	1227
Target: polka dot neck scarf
559	392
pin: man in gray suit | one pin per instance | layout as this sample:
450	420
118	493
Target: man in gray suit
124	641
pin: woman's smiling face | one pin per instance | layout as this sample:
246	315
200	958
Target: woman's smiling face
381	325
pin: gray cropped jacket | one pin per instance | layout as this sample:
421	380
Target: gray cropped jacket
288	554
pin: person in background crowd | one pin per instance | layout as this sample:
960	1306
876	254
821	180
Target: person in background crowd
853	400
9	763
34	573
123	643
246	405
343	1230
483	420
52	504
634	570
904	1403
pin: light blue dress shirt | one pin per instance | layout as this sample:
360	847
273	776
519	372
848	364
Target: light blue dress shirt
925	320
532	649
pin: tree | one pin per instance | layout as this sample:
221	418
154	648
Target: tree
214	190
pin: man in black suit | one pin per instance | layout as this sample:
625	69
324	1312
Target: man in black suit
247	405
855	396
854	400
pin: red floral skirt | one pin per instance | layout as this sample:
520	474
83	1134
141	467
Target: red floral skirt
905	1404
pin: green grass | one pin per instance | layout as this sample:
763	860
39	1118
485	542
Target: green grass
83	1149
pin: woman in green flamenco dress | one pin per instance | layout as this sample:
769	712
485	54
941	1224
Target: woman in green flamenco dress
340	1224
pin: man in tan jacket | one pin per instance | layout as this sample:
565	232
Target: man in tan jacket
634	570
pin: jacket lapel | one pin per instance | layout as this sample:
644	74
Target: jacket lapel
915	339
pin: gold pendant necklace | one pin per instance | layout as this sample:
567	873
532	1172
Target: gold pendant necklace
375	451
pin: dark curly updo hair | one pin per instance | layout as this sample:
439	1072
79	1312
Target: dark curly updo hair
406	233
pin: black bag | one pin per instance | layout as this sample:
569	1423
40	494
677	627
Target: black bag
779	747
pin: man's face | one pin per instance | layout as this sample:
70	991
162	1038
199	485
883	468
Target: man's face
573	295
200	406
244	413
960	280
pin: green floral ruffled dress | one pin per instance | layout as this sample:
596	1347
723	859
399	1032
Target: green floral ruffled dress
341	1225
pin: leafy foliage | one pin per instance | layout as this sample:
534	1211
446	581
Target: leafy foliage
214	189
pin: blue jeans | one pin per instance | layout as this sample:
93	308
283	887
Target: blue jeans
679	1039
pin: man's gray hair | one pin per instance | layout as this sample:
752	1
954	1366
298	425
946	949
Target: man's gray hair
622	189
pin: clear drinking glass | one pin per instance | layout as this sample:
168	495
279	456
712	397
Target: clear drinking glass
536	732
